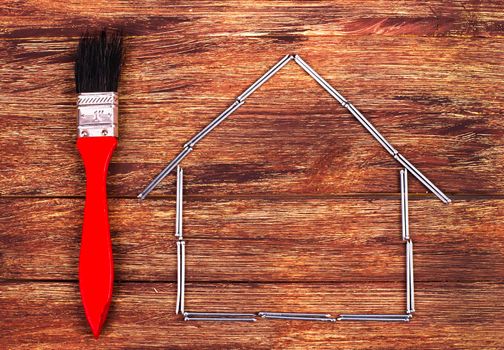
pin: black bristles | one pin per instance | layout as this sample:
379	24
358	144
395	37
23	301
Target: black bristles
98	62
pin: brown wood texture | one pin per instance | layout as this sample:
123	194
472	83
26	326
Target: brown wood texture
290	204
454	315
267	239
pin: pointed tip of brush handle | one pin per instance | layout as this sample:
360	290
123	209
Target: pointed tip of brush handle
97	324
96	307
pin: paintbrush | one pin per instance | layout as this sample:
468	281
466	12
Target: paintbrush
97	68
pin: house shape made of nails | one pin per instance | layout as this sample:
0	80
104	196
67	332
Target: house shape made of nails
408	168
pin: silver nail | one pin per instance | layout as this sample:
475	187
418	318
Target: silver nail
408	277
199	136
300	318
404	318
182	277
371	129
308	69
422	178
179	263
375	316
352	109
176	161
179	203
220	319
223	116
404	204
412	279
218	314
292	314
264	78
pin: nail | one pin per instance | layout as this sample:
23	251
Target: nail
179	262
218	314
199	136
264	78
408	277
422	178
182	277
412	279
404	204
176	161
404	318
220	319
352	109
321	81
292	314
223	116
300	318
375	316
371	129
179	202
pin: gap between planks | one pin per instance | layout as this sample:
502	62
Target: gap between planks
382	196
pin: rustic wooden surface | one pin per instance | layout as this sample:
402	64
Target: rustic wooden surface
290	204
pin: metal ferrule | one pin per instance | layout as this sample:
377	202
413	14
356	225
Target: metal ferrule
199	136
404	204
322	82
266	76
97	114
422	178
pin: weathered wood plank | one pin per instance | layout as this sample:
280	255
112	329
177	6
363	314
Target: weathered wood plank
290	205
450	315
218	69
276	239
281	20
441	111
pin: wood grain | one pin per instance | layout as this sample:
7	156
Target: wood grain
281	20
290	204
450	315
420	104
262	240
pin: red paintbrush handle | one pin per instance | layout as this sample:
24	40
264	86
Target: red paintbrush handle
96	269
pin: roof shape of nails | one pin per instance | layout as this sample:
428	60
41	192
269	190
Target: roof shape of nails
188	146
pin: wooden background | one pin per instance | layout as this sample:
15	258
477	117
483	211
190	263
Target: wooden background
290	204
